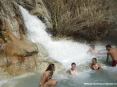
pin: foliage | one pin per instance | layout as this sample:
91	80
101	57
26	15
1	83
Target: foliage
89	19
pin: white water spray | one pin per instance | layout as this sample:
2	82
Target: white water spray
64	51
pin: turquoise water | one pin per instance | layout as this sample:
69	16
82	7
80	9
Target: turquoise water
84	79
107	77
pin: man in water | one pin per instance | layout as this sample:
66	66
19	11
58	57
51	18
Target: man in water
92	51
94	65
73	70
113	53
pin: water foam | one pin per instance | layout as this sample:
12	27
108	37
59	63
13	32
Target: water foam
2	82
64	51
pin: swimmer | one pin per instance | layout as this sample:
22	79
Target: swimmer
92	51
73	70
94	65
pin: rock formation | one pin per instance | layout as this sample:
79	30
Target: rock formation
19	55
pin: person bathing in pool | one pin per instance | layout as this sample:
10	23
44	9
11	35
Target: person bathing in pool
94	65
92	51
73	70
46	80
113	53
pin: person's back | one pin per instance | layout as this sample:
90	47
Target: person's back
46	77
113	53
46	80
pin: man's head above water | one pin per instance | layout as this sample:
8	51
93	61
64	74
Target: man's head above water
73	66
108	47
94	60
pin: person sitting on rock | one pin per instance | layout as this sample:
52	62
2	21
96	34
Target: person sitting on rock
46	80
94	65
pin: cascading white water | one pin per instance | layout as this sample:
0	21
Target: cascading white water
64	51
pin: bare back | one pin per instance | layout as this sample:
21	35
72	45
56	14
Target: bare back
45	78
113	53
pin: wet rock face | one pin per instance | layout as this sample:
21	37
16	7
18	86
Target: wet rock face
17	53
12	26
13	41
11	19
88	19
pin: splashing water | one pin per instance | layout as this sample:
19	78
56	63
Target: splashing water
64	51
2	82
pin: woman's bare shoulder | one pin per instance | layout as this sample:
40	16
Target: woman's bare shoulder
46	73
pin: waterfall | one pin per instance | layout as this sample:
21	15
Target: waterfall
64	51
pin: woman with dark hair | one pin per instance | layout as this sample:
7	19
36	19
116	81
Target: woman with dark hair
46	80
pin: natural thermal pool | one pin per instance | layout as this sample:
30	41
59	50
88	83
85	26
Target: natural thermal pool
107	77
84	79
64	51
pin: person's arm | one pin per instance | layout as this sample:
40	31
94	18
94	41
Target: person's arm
68	72
100	66
44	79
90	65
107	59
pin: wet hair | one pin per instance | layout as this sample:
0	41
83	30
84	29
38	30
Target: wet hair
73	63
50	67
108	45
95	59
